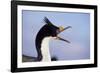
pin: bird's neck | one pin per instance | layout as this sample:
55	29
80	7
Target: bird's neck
45	49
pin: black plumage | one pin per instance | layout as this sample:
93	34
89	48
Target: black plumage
47	30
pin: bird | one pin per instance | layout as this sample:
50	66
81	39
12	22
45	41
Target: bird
45	34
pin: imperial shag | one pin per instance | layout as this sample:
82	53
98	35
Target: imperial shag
47	32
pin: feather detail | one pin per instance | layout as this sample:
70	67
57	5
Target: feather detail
47	21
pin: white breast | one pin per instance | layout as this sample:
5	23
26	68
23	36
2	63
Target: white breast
45	49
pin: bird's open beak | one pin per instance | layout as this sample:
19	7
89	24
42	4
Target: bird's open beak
61	29
59	38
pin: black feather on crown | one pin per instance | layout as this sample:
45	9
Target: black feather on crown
47	21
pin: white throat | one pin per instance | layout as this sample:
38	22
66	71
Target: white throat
45	49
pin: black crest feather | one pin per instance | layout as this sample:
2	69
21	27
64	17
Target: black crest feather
47	21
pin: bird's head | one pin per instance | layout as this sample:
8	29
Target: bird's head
55	31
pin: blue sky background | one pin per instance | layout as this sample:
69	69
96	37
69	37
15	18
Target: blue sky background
78	35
